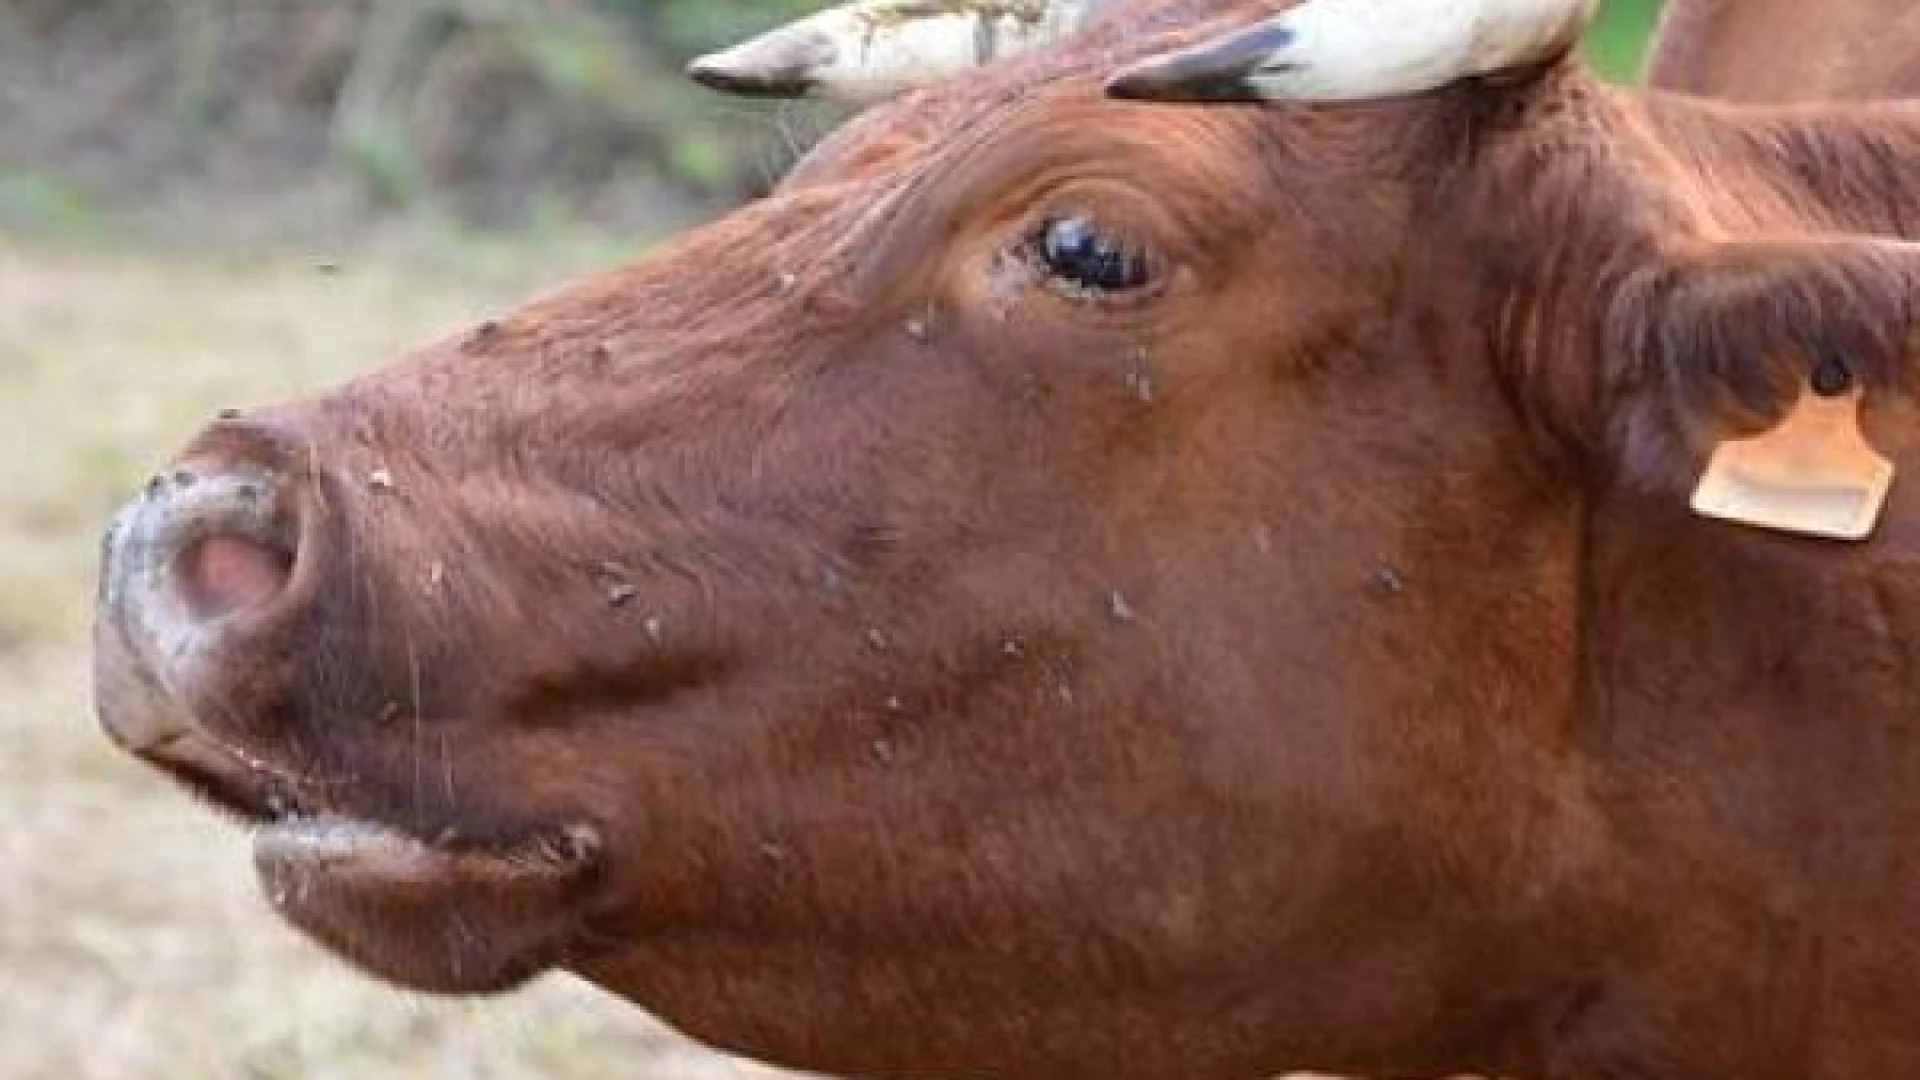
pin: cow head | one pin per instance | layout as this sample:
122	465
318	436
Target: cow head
1064	587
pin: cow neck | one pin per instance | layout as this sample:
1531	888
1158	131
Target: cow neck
1744	707
1745	729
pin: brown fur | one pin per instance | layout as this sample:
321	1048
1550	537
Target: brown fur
1308	663
1788	50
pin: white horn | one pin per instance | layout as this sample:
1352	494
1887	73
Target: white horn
1356	50
871	50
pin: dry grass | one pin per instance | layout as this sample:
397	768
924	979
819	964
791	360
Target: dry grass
132	944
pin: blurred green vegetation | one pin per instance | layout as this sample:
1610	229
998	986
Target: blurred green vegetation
1618	42
251	119
247	120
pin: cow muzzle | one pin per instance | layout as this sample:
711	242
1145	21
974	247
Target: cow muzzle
210	585
208	550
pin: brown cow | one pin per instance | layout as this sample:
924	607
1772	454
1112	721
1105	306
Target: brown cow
1074	588
1786	50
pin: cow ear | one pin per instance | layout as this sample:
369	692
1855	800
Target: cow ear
1741	367
868	51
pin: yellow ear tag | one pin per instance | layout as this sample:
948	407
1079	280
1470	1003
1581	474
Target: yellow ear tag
1813	474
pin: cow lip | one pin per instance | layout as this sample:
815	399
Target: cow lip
233	781
455	920
374	852
448	915
292	818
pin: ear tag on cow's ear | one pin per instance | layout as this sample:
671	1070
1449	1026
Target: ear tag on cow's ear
1813	474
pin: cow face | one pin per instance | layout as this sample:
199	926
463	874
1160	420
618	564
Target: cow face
1066	587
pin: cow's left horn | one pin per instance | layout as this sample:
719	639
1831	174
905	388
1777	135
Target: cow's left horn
1356	50
871	50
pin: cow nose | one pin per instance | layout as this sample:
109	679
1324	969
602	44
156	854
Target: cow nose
213	540
227	554
217	533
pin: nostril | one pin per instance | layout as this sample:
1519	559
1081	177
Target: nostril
219	539
220	531
224	573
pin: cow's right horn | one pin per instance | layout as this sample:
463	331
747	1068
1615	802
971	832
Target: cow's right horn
1356	50
871	50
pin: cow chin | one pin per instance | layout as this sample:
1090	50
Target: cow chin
429	905
434	916
430	908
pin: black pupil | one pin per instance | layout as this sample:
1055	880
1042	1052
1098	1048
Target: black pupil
1076	251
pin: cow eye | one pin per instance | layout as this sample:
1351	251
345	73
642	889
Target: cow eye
1077	255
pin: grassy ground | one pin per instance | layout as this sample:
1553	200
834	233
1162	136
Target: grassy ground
132	943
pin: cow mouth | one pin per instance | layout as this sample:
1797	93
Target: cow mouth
425	905
289	814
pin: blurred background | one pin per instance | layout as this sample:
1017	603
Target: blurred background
212	203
